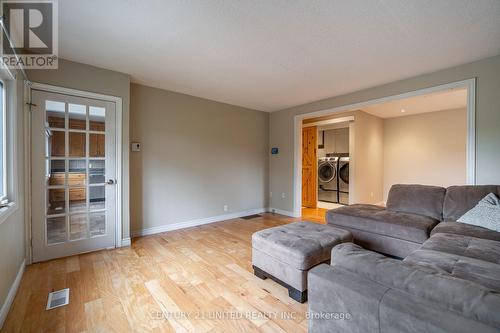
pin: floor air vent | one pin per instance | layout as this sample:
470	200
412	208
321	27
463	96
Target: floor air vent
249	217
58	298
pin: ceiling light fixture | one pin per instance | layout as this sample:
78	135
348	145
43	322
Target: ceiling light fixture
403	110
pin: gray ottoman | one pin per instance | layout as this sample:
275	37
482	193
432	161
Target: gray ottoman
286	253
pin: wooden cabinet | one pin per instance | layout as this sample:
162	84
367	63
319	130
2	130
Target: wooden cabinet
57	144
77	194
76	179
56	178
97	144
56	122
57	196
80	124
97	126
77	143
77	140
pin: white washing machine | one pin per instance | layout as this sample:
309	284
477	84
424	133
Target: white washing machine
327	179
343	179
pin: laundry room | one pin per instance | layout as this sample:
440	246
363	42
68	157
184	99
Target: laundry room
333	164
327	144
355	156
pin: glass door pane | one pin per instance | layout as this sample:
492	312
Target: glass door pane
78	227
73	154
76	192
77	116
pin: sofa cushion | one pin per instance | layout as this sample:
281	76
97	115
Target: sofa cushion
378	220
460	199
417	199
464	246
466	230
300	244
468	258
461	296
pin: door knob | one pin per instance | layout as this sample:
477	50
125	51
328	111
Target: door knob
111	181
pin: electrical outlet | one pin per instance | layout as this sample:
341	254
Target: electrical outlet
283	195
225	208
136	146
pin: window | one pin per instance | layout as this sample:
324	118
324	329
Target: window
3	146
8	128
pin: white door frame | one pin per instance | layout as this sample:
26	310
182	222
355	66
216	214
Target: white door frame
29	86
469	84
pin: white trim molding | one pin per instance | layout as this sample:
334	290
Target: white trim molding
119	147
195	223
11	149
283	212
469	84
126	241
4	311
471	131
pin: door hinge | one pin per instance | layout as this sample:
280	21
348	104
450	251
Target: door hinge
31	105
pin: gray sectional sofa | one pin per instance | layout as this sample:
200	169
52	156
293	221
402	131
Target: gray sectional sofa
448	281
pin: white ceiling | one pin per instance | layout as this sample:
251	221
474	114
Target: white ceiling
269	55
438	101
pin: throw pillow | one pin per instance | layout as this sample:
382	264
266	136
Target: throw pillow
485	214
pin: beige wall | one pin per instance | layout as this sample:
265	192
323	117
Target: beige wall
88	78
427	148
12	236
197	156
366	162
487	122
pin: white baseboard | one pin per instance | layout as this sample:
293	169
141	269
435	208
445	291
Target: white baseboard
282	212
194	223
4	311
126	242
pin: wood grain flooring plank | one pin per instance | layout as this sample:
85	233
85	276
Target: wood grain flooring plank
203	271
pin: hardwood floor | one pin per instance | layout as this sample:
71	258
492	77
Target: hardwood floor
149	287
314	214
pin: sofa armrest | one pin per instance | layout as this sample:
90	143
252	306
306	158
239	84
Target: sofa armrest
342	301
462	297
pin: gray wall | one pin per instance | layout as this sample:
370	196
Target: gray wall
88	78
12	236
487	122
197	156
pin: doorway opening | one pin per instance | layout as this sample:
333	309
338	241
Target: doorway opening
421	137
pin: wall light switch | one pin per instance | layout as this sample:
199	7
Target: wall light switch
136	146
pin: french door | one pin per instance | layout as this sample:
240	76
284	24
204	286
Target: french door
73	173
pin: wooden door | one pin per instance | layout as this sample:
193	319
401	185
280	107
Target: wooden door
309	167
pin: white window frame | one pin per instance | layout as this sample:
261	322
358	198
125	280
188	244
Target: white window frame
9	147
5	195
